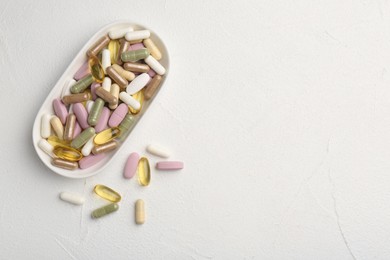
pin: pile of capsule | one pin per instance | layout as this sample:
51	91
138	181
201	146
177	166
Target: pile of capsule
99	106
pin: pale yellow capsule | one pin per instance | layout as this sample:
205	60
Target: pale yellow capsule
67	153
114	90
143	171
56	141
107	193
152	48
106	135
57	127
139	96
113	46
128	75
139	212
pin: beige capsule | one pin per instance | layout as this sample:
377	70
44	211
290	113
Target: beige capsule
107	147
152	48
152	87
115	76
65	164
106	96
75	98
135	41
136	67
98	46
124	45
57	127
69	127
114	90
139	212
124	73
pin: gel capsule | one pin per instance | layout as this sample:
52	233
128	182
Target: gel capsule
80	140
169	165
154	51
100	212
96	69
143	171
107	193
113	47
106	135
139	96
67	153
65	164
133	56
152	87
139	212
72	198
82	84
96	112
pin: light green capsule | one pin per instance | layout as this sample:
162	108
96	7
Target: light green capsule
133	56
126	126
82	84
82	138
96	111
100	212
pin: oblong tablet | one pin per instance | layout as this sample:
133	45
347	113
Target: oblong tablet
131	165
169	165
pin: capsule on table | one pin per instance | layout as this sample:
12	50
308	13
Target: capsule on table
57	126
64	164
122	82
128	75
104	148
82	84
75	98
103	211
136	67
139	212
96	111
143	171
82	138
72	198
106	135
67	153
152	87
139	96
98	46
153	50
133	56
69	127
107	193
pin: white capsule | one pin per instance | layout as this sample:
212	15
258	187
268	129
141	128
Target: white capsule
87	148
89	105
106	59
129	100
157	150
137	35
115	92
46	147
155	65
71	197
66	89
45	126
138	83
106	84
119	33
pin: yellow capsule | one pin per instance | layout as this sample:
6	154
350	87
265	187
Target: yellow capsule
106	135
67	153
96	69
113	47
56	141
143	171
107	193
139	96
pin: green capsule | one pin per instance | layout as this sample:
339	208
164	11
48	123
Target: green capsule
96	111
100	212
133	56
82	138
82	84
126	126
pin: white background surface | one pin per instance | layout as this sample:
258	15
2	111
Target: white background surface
279	110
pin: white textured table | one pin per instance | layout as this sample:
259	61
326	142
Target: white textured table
279	110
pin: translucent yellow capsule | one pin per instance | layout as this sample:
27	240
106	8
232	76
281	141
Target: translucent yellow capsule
96	69
143	171
56	141
106	135
139	96
67	153
113	47
107	193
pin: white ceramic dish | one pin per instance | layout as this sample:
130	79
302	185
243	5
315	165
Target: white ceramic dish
68	74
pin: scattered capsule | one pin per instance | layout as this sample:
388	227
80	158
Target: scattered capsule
143	171
131	165
133	56
139	212
56	141
65	164
169	165
157	150
106	135
106	59
107	193
80	140
103	211
72	198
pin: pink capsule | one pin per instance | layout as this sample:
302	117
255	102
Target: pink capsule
137	46
82	72
94	86
60	110
151	73
102	123
81	115
117	116
77	130
91	160
169	165
131	165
